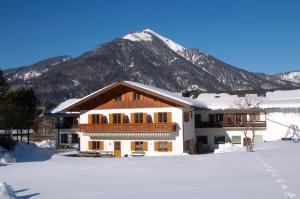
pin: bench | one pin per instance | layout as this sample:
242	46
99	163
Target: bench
137	153
106	153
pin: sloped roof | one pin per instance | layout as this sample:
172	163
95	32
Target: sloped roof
59	108
161	93
169	94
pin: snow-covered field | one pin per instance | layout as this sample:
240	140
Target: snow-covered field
270	172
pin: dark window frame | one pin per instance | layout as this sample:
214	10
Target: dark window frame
219	139
139	146
162	117
198	120
95	119
117	118
163	146
136	96
118	98
64	138
74	138
138	118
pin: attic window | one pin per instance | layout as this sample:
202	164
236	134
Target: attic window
217	96
118	98
136	96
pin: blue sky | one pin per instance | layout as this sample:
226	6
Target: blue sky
256	35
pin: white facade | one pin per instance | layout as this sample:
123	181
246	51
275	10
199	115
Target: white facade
279	120
184	131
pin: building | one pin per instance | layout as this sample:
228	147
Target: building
225	121
128	118
65	125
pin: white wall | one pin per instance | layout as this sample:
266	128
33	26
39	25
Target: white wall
189	127
177	138
212	132
278	119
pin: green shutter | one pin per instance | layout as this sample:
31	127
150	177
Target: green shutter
258	138
236	139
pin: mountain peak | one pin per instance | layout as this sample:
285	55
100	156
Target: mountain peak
147	35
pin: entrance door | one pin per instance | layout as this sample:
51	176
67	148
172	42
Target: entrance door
117	149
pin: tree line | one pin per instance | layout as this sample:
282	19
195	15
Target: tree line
18	111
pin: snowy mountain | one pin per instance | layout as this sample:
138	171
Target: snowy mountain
293	76
142	56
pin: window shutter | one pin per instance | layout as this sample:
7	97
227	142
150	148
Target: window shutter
169	117
101	145
144	117
142	97
100	118
122	117
155	117
169	146
110	118
90	145
132	146
90	118
156	146
145	146
123	96
130	95
132	118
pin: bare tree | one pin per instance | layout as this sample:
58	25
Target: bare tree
249	104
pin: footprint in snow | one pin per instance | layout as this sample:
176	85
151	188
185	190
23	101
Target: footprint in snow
283	186
289	195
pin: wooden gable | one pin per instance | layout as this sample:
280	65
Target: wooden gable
122	96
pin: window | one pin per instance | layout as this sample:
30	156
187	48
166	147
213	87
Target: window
138	118
95	119
136	96
202	139
236	139
117	118
163	146
95	145
64	138
162	117
220	139
211	119
197	120
186	116
254	117
118	98
74	138
139	146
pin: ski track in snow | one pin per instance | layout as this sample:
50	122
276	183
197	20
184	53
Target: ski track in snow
269	169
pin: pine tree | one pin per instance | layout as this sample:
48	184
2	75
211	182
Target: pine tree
3	85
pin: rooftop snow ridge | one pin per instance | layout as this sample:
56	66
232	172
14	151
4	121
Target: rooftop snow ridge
146	35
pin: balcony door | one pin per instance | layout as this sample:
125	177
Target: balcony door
117	149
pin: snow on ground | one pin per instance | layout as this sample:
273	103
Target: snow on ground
23	152
272	171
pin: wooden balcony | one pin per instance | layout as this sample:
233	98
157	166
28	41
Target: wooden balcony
143	127
256	124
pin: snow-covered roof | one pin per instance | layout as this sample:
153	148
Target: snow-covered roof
59	108
275	99
146	35
169	94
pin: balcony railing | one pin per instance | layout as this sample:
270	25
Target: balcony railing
143	127
66	126
231	124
